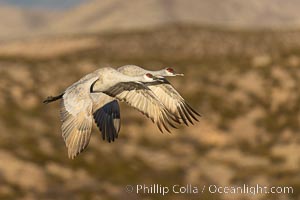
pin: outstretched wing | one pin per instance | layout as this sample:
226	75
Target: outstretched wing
142	98
76	115
108	120
173	101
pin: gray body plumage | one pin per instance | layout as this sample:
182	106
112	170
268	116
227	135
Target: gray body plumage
134	70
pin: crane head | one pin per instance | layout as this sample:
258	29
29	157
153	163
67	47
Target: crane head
149	77
171	72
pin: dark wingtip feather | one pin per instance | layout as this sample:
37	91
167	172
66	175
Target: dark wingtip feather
187	114
194	111
172	125
175	118
165	126
159	127
97	119
182	116
169	122
104	118
192	114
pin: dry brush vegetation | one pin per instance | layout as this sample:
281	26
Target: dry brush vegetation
246	85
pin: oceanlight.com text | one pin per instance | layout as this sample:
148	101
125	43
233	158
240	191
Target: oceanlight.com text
212	189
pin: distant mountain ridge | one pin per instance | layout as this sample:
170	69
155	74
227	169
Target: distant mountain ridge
15	21
113	15
100	15
47	4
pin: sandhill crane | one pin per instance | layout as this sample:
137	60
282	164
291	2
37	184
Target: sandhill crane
109	114
165	92
77	105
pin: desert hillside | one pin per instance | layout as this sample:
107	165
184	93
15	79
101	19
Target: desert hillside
245	83
241	61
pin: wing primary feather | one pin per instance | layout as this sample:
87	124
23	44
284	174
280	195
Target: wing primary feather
98	118
143	99
168	114
111	129
182	116
190	112
164	124
186	114
159	126
102	128
106	131
194	111
172	125
174	102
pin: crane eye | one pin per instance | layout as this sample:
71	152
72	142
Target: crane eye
149	75
170	70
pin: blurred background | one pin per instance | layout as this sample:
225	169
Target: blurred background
241	61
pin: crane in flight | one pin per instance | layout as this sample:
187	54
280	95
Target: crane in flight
97	95
77	106
164	91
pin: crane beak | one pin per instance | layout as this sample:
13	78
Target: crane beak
157	78
176	74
